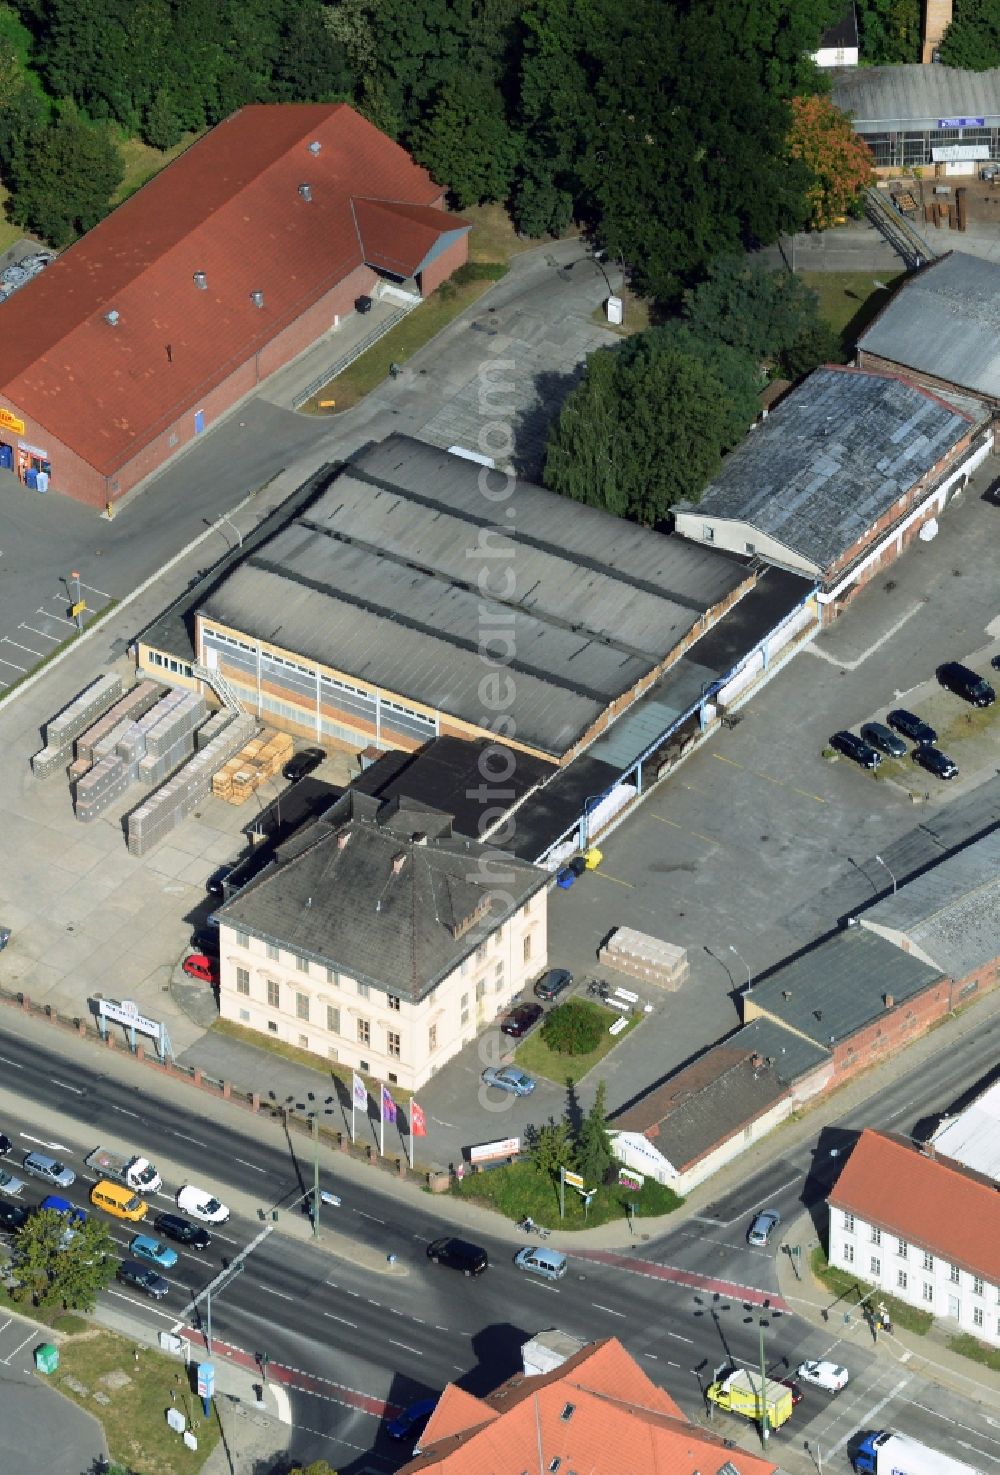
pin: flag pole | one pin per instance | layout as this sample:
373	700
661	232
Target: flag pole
381	1123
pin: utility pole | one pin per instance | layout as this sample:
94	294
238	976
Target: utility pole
765	1431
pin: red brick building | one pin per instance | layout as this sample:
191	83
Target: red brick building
225	267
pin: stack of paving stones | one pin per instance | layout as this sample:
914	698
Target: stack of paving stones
171	804
645	957
63	730
93	745
147	749
216	724
171	740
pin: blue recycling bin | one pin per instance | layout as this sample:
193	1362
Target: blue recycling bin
31	478
565	879
6	457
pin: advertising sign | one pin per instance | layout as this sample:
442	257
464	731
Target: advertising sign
486	1151
961	122
11	422
573	1179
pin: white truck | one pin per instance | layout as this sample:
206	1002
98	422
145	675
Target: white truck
886	1453
134	1172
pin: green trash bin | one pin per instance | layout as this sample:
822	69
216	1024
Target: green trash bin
46	1358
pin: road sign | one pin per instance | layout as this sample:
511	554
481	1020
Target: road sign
573	1179
206	1379
78	609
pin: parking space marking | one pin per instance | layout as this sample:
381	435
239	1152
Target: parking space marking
95	591
807	795
7	1360
731	761
853	665
42	633
19	646
50	616
696	834
607	876
12	663
664	821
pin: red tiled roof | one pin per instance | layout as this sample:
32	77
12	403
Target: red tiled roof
585	1414
229	207
930	1202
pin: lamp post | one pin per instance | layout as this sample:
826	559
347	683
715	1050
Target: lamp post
892	878
328	1108
746	966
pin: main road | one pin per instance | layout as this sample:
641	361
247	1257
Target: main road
350	1342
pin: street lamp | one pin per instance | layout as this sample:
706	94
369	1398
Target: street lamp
327	1109
746	966
891	876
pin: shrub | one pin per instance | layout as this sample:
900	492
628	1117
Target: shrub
573	1029
479	271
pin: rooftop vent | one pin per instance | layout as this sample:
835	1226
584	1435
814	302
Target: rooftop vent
201	281
554	1465
786	993
888	1000
257	298
315	146
305	192
112	317
569	1409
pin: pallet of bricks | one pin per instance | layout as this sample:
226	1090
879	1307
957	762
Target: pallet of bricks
257	761
645	957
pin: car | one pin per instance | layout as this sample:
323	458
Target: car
73	1216
553	983
935	762
458	1254
763	1227
302	763
40	1165
967	684
794	1390
183	1231
133	1273
13	1216
509	1078
549	1264
826	1375
202	967
411	1422
201	1205
884	739
520	1019
995	663
216	883
10	1185
206	940
145	1247
6	1146
911	726
854	747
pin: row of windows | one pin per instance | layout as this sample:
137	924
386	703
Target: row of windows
903	150
902	1251
341	980
180	668
304	1012
927	1287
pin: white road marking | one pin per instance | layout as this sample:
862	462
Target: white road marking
281	1294
15	1064
6	1360
42	1142
42	633
441	1123
405	1348
188	1139
95	591
868	1419
124	1111
372	1217
17	644
677	1337
50	616
77	1090
342	1319
610	1312
853	665
13	664
250	1165
144	1306
284	1403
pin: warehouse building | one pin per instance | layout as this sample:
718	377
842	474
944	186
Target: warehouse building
235	259
842	476
935	118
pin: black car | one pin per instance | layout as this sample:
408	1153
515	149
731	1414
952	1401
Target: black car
854	747
175	1226
552	984
13	1216
6	1145
458	1254
206	940
520	1020
882	738
303	763
995	663
967	684
911	726
132	1273
935	761
216	883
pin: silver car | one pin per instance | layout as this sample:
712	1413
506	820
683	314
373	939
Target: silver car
49	1169
509	1078
10	1185
763	1227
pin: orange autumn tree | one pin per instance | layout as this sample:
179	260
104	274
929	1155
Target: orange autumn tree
822	137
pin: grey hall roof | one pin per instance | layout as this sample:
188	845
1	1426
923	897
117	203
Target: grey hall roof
833	458
881	99
404	567
945	321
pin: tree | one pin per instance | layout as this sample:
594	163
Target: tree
593	1148
972	40
772	316
574	1028
63	184
315	1467
839	162
550	1148
310	64
466	141
647	424
161	126
889	31
53	1270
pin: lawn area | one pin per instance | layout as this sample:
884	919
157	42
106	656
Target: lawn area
848	300
135	1396
637	314
520	1189
967	1346
534	1055
322	1067
850	1291
142	162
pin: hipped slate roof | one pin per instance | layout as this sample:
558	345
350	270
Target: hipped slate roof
951	913
910	98
705	1104
930	1203
403	571
229	207
832	458
839	986
390	898
944	322
584	1416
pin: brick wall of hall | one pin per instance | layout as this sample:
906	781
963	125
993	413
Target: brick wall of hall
68	469
454	256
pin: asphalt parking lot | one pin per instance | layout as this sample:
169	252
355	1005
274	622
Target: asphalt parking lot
42	1429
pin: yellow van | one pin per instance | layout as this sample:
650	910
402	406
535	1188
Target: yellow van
117	1200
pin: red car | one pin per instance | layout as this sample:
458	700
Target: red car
520	1020
794	1389
202	967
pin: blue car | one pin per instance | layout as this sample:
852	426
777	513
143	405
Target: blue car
509	1078
60	1205
145	1247
411	1422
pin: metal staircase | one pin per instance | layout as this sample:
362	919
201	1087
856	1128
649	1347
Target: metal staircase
215	679
902	234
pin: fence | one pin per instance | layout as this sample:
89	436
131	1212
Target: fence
345	362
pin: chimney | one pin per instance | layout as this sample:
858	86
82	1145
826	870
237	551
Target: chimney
937	19
398	862
888	1000
305	192
201	281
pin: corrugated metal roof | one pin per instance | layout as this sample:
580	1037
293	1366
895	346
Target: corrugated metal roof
973	1137
388	577
945	321
885	99
832	458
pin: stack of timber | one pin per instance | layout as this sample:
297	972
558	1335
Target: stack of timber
256	761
